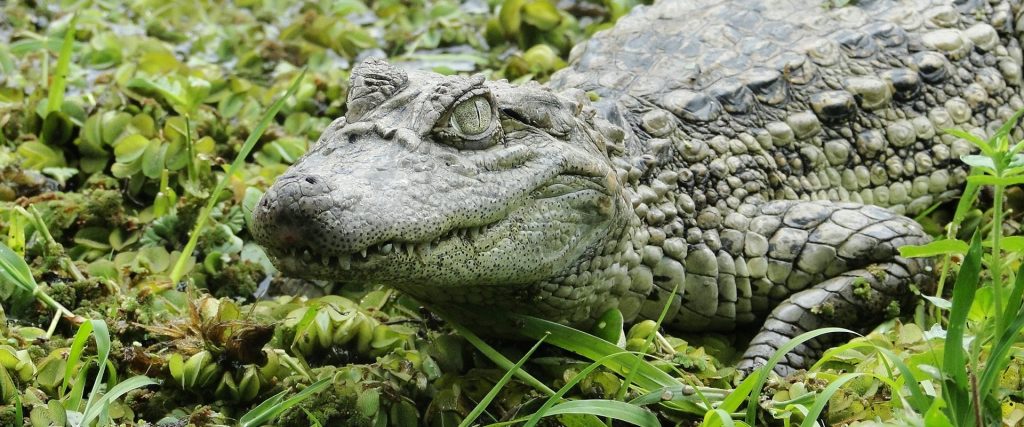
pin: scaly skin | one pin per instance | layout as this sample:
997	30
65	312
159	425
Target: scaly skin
733	151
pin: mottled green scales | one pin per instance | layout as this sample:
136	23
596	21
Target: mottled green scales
756	156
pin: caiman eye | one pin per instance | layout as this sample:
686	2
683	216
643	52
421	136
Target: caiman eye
471	124
473	117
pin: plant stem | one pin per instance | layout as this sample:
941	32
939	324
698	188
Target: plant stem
53	324
48	300
978	417
66	262
191	170
997	261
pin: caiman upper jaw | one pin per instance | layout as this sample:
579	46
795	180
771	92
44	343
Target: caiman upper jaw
298	257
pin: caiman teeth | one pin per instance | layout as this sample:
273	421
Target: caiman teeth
411	249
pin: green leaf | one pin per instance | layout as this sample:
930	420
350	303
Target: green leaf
934	248
977	161
93	238
811	417
130	148
614	409
1012	243
956	386
995	180
74	359
153	159
941	303
1005	339
762	372
276	404
609	327
497	357
61	175
38	155
716	418
973	139
510	17
15	274
6	62
541	14
1004	130
935	417
30	45
93	411
101	335
482	405
917	399
60	74
594	348
57	129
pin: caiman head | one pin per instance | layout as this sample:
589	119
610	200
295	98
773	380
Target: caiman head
451	188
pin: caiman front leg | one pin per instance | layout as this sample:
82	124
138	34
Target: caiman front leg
831	264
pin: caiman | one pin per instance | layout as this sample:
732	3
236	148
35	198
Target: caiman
759	158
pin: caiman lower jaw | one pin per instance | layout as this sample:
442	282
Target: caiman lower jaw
305	262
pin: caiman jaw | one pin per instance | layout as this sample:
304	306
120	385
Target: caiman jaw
297	260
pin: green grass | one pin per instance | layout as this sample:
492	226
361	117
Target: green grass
275	405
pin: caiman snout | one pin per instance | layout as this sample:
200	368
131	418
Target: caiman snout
282	221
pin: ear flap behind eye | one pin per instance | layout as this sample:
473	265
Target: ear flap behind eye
373	81
542	110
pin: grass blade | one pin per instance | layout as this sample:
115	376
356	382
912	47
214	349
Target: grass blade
762	372
647	345
74	358
997	359
695	400
101	334
14	270
615	409
811	418
732	402
716	418
486	401
535	418
19	410
918	400
594	348
250	142
115	392
498	358
60	75
276	404
955	389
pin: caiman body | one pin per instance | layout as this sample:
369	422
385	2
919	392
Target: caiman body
757	157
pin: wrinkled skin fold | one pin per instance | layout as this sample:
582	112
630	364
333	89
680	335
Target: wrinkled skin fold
758	162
